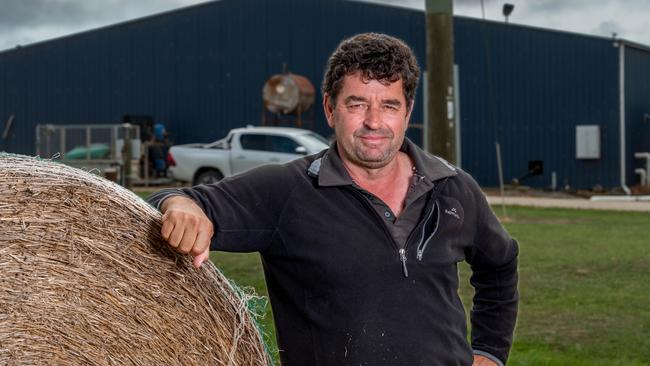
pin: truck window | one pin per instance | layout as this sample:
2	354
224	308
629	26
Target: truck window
279	144
253	142
283	144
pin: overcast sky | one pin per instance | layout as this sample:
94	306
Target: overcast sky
28	21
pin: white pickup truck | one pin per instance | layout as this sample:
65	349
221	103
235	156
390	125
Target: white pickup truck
242	149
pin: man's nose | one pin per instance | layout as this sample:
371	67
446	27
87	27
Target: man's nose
373	117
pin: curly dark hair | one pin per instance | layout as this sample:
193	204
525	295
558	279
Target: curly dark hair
379	57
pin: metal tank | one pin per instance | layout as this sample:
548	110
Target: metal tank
288	94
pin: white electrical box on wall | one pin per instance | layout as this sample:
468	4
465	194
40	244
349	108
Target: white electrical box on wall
588	142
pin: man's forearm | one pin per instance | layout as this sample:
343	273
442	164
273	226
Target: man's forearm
157	199
494	311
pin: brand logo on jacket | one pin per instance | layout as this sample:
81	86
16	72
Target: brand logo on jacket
453	213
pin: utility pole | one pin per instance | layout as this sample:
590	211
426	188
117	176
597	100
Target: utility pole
441	126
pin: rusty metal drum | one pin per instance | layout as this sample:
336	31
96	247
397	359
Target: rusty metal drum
288	94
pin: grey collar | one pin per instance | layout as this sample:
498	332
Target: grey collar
330	171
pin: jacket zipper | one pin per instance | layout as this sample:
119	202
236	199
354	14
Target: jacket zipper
436	208
402	257
424	224
423	245
400	251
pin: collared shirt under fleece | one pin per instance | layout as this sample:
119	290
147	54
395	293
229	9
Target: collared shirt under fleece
333	173
342	291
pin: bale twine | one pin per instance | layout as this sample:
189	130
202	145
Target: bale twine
85	278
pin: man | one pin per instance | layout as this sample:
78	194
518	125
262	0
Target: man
360	242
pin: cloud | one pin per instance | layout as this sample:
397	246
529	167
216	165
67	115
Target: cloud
474	2
608	27
556	6
28	21
24	14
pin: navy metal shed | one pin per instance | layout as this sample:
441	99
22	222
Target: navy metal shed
200	70
528	89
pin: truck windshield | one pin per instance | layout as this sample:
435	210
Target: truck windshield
313	142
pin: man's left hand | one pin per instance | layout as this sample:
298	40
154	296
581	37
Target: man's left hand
483	361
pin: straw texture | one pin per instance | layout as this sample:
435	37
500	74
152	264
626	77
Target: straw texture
85	278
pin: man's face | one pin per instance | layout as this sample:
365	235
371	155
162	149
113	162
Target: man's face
370	120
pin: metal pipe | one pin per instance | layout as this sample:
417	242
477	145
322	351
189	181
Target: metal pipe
646	156
62	143
500	168
554	181
39	148
88	143
621	93
10	122
642	175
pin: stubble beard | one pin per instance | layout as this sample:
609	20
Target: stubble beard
371	157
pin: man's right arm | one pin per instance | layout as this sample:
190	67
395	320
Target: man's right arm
238	214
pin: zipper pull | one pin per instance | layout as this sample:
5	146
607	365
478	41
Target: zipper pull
402	257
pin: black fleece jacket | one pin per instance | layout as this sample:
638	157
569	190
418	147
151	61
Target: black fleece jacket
337	282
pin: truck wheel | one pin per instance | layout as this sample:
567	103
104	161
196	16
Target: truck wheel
208	177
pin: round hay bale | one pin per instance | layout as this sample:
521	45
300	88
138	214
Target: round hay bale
85	278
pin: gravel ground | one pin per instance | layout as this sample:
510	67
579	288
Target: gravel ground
580	203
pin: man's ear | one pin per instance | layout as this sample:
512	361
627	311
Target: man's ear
328	109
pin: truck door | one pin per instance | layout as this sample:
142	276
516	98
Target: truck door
258	149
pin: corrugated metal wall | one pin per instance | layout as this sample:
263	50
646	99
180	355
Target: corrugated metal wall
530	88
200	70
637	107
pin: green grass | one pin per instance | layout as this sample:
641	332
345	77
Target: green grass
584	287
